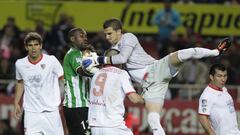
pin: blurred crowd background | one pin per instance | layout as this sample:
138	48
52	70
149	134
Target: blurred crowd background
55	43
174	1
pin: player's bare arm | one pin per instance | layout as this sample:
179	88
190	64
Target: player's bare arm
18	95
204	120
61	85
135	98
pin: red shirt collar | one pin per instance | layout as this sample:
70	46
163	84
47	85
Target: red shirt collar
35	62
215	87
108	65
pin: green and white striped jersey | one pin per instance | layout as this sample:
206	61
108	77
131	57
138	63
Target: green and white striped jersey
77	87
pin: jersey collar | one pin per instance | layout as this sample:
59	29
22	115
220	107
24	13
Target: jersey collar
215	87
36	62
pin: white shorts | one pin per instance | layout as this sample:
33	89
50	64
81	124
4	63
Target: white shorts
156	84
123	130
47	123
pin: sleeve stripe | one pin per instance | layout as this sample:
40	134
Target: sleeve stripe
76	70
203	114
111	60
19	81
61	77
130	92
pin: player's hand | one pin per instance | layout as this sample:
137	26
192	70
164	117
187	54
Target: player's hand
89	58
89	66
224	45
99	59
89	62
17	111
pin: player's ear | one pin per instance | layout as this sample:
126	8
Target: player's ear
72	39
211	77
26	47
41	46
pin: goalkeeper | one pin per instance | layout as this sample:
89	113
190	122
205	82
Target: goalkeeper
153	75
77	82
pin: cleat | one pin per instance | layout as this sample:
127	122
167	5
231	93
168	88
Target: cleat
224	45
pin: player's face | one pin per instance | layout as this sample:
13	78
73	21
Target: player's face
112	36
34	49
80	40
219	78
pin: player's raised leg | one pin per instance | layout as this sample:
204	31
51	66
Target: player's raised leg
178	57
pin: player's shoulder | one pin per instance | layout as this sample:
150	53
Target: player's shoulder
113	69
123	72
224	88
130	39
72	53
129	35
21	60
50	58
207	93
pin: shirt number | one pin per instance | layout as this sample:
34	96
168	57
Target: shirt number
100	81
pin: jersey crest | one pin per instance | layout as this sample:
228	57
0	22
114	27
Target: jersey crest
43	66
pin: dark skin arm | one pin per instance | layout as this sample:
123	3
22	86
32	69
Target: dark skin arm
83	72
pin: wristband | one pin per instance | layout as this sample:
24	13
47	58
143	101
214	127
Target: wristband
102	60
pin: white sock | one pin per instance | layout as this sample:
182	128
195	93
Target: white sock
154	122
196	53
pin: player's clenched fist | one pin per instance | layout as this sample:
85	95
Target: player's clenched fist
17	111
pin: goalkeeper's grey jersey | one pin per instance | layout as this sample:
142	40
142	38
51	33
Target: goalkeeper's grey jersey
131	53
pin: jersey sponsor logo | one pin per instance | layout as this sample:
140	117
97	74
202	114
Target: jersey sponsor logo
204	102
96	102
204	105
35	80
204	109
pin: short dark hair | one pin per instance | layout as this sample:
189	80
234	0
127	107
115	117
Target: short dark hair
217	66
73	31
32	36
114	23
